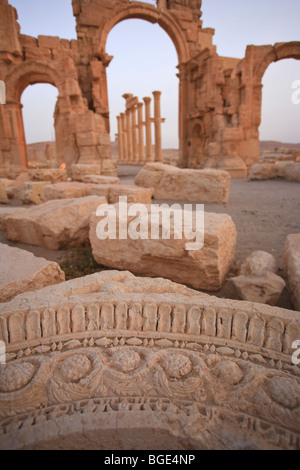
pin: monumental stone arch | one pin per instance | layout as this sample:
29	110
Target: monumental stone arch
179	19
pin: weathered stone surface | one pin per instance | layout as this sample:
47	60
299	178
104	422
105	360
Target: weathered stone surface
265	288
144	348
4	211
257	263
78	171
6	182
235	166
54	224
21	271
47	174
112	192
289	171
100	179
190	185
33	192
203	268
15	187
263	171
134	194
5	186
291	265
100	190
3	195
66	190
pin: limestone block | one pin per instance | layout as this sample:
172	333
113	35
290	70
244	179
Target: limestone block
100	190
87	138
12	192
3	195
203	268
78	171
54	224
265	288
291	266
50	42
21	271
134	194
33	192
100	179
235	166
190	185
14	187
6	182
48	174
4	211
289	171
66	190
258	263
263	171
111	341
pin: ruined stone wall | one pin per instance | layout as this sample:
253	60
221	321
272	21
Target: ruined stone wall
219	97
224	106
81	135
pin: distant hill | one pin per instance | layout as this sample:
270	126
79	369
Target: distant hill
40	152
274	144
37	151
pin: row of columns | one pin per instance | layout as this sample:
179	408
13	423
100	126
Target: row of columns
132	129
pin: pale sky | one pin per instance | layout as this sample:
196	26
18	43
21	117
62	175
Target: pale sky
145	60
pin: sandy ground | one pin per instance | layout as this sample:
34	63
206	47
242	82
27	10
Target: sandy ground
264	213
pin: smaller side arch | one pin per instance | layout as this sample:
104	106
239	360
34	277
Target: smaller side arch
30	73
288	50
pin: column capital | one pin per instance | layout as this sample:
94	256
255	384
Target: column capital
126	96
147	99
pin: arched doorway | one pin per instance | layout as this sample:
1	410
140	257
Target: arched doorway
138	68
280	116
37	101
257	61
17	81
151	14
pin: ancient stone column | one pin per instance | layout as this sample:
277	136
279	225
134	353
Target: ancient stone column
125	137
157	123
120	139
135	150
128	98
129	135
149	153
141	133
